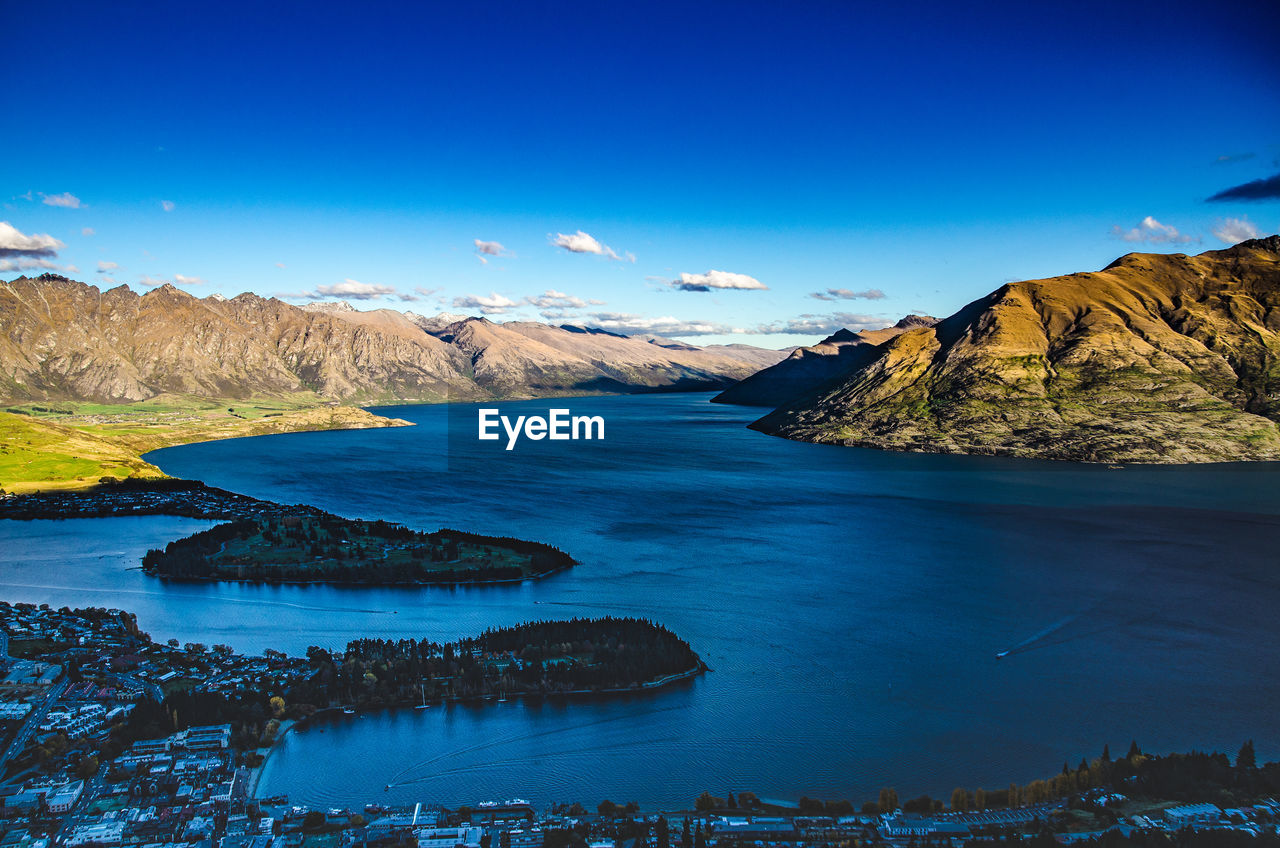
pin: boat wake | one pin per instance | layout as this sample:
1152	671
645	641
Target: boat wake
1029	643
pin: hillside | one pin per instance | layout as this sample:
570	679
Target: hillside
71	446
808	368
62	340
1156	358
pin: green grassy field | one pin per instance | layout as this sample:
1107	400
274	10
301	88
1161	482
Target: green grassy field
51	445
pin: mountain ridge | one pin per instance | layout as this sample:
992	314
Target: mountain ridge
68	340
1155	358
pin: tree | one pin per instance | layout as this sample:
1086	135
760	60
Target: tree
87	768
607	808
504	839
705	802
1246	758
662	833
700	837
277	706
1134	750
980	799
959	800
888	800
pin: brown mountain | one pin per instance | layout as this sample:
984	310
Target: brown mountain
808	368
1156	358
65	340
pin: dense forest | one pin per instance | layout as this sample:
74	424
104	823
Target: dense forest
328	549
544	657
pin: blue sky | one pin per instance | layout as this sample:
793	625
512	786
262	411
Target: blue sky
890	158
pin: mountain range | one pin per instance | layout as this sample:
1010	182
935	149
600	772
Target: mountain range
1155	358
62	340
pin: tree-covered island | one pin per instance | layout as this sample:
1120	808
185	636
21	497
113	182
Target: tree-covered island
580	655
311	547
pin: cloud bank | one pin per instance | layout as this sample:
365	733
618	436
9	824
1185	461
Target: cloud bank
493	304
356	290
846	294
630	324
810	324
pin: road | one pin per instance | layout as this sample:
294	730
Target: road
34	718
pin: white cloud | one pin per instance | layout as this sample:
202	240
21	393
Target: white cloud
178	280
280	265
107	267
1152	231
15	243
485	249
494	304
426	292
717	280
552	299
667	325
810	324
356	290
26	264
581	242
846	294
1235	230
167	205
88	231
66	200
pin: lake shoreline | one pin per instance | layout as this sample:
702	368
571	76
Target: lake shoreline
327	713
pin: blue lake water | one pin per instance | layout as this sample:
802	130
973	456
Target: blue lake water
851	603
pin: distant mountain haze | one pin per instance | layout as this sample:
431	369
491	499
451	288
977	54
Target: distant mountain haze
1156	358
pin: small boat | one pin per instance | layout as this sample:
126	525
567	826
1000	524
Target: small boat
348	710
1002	655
